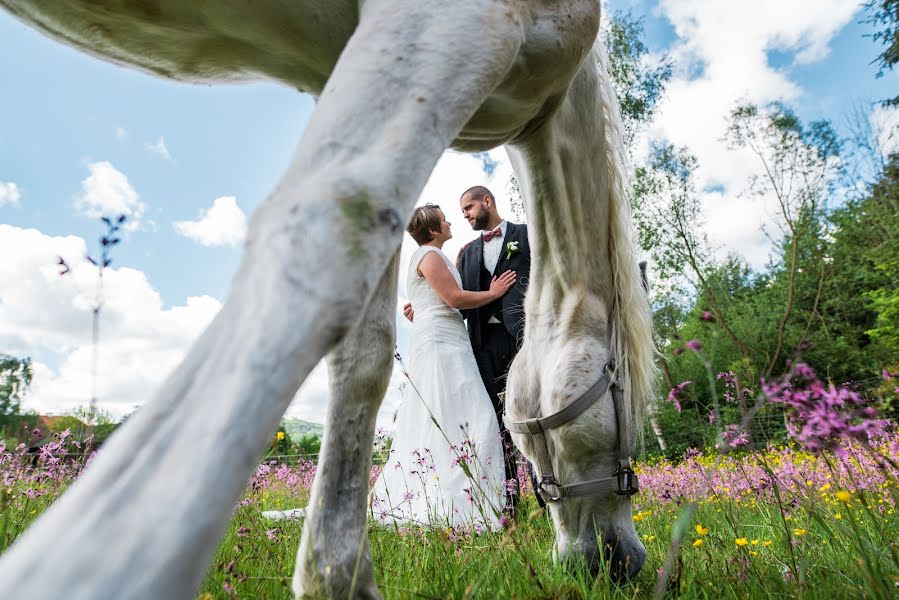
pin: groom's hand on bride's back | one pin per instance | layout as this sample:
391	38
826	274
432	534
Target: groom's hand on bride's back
408	312
459	256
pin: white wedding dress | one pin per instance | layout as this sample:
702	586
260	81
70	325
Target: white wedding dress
425	481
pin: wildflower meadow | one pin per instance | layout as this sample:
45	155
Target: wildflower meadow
812	517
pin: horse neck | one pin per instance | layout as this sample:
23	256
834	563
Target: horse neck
584	275
566	190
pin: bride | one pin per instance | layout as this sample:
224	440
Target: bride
446	462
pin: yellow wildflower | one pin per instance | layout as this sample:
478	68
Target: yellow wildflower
799	532
742	541
838	516
648	538
638	517
844	496
280	435
701	530
755	542
766	543
753	553
697	543
824	487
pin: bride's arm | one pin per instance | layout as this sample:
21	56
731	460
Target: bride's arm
435	271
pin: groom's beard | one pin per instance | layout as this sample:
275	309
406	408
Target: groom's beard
480	222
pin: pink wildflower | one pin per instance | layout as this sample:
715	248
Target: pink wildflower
822	417
674	394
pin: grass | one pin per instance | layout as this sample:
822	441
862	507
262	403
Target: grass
824	548
827	529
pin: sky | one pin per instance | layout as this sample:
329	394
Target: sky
187	164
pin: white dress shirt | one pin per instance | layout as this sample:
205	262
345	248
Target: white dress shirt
492	251
494	248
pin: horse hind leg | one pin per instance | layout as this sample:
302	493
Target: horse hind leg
334	560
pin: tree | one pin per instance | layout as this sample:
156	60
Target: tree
15	378
882	210
799	170
309	444
638	78
884	14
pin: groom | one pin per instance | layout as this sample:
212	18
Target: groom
495	330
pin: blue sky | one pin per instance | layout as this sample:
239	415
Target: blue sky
64	113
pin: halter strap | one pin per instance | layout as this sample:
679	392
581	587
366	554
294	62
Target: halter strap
623	481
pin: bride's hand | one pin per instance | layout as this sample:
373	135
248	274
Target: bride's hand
500	285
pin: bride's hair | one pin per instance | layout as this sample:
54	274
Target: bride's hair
425	220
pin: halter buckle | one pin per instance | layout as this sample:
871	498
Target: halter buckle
627	481
548	480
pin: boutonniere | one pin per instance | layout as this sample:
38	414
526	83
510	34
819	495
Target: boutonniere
511	248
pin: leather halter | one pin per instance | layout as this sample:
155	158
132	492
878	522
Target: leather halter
623	482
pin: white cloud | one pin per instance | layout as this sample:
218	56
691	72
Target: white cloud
159	148
107	192
721	57
48	316
223	224
9	193
885	123
121	133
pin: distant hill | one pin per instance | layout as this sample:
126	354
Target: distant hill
297	428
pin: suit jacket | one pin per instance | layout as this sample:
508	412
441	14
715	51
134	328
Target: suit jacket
471	261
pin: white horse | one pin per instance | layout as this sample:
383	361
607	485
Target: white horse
398	82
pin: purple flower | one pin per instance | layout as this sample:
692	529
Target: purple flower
707	316
694	345
734	436
242	531
272	533
822	417
674	394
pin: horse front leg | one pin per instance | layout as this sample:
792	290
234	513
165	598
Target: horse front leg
334	560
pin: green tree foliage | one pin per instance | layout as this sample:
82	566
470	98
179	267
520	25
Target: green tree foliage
309	444
881	221
638	79
829	290
884	14
15	377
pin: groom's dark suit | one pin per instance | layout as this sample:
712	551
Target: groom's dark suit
495	344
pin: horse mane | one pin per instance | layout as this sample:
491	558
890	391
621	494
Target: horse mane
631	319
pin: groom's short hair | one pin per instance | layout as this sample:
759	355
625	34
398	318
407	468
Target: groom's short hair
478	192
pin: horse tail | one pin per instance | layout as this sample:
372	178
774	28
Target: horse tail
631	319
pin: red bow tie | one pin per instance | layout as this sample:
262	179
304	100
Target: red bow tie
489	235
